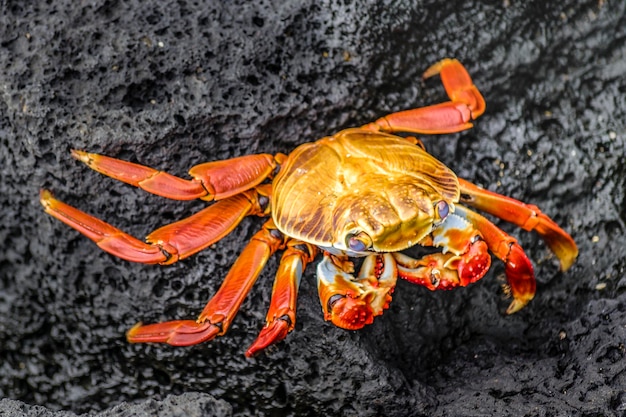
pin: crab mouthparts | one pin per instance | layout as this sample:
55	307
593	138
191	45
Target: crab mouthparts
369	294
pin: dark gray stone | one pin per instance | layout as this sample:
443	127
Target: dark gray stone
171	84
189	404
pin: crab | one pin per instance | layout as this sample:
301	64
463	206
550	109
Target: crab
364	192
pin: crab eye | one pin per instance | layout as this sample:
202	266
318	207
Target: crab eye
358	242
333	300
442	209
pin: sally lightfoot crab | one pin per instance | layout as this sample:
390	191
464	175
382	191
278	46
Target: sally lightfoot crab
363	192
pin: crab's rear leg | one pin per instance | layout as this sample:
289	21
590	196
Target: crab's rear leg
232	182
211	181
526	216
281	316
466	104
169	243
222	308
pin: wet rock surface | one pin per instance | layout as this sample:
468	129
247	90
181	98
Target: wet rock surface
173	84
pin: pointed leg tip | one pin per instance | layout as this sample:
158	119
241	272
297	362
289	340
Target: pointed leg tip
156	332
132	332
516	305
80	155
566	261
272	333
253	351
566	264
47	200
436	68
44	197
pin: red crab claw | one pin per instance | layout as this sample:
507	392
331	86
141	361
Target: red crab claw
520	276
518	268
444	271
349	302
350	313
465	258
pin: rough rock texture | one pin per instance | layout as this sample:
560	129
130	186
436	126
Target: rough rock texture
190	404
173	83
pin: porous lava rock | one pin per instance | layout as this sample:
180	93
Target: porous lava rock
170	84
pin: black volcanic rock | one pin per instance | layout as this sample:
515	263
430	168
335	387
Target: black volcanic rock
170	84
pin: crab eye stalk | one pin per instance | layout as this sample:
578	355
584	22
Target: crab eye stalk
358	242
442	209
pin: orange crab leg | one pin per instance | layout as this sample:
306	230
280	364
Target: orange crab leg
221	309
211	180
167	244
281	316
466	104
526	216
518	268
107	237
197	232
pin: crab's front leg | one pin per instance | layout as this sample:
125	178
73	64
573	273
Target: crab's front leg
352	302
464	258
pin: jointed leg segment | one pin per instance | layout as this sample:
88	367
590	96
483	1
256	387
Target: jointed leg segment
169	243
219	312
466	104
211	181
107	237
281	316
235	183
526	216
